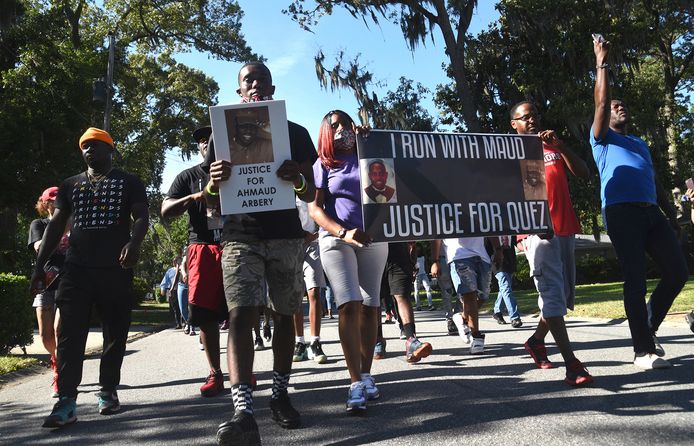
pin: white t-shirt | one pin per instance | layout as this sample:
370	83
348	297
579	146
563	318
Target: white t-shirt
464	248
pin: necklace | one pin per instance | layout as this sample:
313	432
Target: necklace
96	180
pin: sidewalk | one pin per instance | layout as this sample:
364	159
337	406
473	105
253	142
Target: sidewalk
497	398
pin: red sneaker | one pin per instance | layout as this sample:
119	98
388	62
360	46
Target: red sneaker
538	352
214	384
577	374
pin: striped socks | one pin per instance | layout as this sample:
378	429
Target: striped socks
280	382
242	396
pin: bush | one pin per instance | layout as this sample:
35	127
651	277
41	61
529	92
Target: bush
140	289
18	316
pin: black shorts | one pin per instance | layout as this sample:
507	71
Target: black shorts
399	278
200	316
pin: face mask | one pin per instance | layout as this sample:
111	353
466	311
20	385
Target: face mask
345	140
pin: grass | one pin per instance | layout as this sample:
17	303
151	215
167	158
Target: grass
151	313
11	363
602	300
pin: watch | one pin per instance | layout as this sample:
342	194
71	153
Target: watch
341	233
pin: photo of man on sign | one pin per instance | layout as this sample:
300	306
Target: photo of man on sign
250	137
379	191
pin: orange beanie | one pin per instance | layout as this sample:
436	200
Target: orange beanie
93	133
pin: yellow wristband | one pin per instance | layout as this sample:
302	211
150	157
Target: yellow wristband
209	191
301	189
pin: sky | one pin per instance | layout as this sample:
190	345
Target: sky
290	52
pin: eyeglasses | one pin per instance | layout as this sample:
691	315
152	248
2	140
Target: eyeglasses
526	118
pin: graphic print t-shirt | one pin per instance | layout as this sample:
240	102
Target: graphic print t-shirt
100	216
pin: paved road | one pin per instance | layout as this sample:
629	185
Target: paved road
498	398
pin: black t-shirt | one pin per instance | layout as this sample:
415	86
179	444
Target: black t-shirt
36	230
188	182
284	224
100	216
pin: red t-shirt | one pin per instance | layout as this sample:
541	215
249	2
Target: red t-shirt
560	208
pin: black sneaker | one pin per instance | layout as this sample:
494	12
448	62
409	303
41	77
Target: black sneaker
267	333
689	317
283	413
516	323
499	318
315	351
300	353
240	430
452	329
258	346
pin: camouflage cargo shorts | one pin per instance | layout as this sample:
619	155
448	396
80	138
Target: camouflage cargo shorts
248	265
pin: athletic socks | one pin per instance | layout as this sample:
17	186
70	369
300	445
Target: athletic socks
408	330
280	382
242	396
300	339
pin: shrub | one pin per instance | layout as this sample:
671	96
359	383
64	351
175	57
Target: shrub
18	315
140	289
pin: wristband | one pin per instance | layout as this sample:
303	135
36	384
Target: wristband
301	189
605	65
209	191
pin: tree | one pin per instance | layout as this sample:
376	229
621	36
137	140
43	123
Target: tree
52	51
418	20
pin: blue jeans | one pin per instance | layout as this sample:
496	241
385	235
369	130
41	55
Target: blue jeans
636	230
183	300
505	297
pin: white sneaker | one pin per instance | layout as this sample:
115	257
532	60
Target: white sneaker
651	361
356	397
372	392
463	329
659	350
477	346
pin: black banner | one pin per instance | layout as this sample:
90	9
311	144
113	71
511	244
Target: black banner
423	186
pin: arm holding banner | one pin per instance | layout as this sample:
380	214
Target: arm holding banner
220	170
354	236
301	176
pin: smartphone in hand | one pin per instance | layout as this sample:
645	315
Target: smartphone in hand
598	38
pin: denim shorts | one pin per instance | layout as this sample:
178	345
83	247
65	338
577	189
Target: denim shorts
471	275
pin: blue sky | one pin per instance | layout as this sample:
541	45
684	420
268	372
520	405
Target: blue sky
289	51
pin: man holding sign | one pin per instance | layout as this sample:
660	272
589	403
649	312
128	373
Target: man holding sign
551	256
262	247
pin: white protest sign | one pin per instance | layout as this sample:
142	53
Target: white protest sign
254	137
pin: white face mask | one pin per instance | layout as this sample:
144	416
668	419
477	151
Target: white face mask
344	140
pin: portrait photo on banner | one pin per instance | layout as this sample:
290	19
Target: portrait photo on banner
250	135
378	180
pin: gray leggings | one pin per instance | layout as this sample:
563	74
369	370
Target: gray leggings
354	273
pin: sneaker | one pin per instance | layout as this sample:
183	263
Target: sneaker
283	413
477	346
370	388
659	350
577	374
402	335
380	349
431	308
192	331
64	412
356	397
315	352
201	345
389	318
689	317
186	329
415	350
225	325
259	344
651	361
516	323
178	326
108	402
214	384
300	352
499	318
463	329
240	430
54	385
267	333
418	308
538	352
450	326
